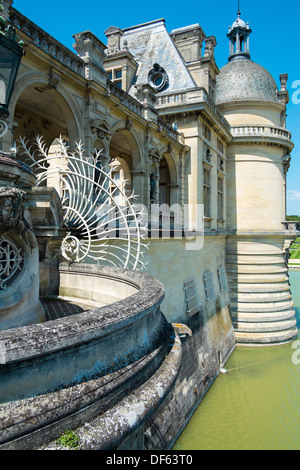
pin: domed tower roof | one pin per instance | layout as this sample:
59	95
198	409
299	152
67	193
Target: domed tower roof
239	23
244	80
241	79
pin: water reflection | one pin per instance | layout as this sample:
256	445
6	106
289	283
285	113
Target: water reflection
256	405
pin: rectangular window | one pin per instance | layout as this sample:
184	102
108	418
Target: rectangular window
115	75
191	297
222	279
220	198
209	288
220	146
206	191
207	133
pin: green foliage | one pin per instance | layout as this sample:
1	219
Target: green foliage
295	218
69	439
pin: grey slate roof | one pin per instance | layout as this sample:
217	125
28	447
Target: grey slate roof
151	43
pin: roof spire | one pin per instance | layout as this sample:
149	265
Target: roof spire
238	36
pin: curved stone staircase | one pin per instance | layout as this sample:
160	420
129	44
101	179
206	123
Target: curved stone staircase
261	302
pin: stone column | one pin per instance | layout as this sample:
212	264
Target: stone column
138	177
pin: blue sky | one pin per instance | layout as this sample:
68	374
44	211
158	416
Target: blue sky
274	41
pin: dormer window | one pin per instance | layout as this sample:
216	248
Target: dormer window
115	75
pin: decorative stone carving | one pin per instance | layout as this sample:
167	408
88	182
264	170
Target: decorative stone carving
5	6
101	129
210	44
54	79
11	261
158	78
283	81
286	163
92	51
154	156
12	215
113	35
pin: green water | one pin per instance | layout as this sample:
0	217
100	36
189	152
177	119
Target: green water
256	405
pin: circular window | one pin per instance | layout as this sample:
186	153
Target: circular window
158	78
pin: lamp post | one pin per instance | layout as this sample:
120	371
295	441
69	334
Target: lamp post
11	53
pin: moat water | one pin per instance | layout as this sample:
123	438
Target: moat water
257	405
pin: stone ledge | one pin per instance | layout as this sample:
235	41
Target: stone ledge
108	430
26	424
103	340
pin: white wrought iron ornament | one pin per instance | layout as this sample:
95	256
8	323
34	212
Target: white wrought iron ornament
99	228
3	128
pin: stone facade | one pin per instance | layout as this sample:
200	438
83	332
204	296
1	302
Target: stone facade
181	130
184	133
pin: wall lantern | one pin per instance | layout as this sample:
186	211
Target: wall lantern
11	53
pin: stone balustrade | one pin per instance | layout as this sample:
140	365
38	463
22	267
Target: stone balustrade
197	96
291	225
125	98
264	131
47	43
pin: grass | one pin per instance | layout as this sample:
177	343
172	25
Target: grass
69	440
295	250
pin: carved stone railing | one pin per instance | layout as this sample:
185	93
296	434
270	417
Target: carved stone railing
198	95
174	98
126	99
163	126
264	131
47	43
291	225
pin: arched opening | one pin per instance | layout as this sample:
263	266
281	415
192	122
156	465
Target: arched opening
121	184
125	163
42	111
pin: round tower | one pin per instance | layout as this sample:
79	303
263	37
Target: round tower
257	163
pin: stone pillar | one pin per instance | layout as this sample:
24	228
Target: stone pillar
138	178
238	44
92	51
147	96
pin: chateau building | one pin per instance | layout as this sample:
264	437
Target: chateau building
177	130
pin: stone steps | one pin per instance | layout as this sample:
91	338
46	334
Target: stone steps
260	297
265	327
257	270
261	307
265	338
264	317
254	288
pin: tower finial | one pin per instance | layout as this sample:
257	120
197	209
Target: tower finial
239	38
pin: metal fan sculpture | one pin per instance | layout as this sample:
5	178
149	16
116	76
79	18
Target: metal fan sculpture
100	229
